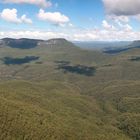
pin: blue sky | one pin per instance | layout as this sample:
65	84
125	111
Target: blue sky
83	20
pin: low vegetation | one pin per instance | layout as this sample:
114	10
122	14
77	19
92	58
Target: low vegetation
57	91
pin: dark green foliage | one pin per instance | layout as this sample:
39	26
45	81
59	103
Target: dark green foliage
130	124
135	58
78	69
19	61
53	110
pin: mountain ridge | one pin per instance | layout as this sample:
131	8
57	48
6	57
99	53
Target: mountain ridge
26	43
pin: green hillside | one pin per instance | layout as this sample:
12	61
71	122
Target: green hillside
53	90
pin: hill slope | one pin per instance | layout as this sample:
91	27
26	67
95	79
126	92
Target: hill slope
54	110
58	91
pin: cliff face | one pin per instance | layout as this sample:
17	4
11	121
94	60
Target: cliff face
25	43
22	43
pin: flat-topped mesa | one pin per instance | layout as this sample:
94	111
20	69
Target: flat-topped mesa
49	41
55	41
25	43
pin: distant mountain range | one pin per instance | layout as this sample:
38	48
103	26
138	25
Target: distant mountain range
100	45
114	50
106	47
109	47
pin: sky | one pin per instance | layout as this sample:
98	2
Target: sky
75	20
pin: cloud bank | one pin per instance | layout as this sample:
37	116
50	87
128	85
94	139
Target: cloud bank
126	33
41	3
122	7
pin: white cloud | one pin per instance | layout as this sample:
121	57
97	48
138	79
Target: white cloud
107	26
122	7
116	25
127	27
10	15
26	20
123	19
41	3
55	18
